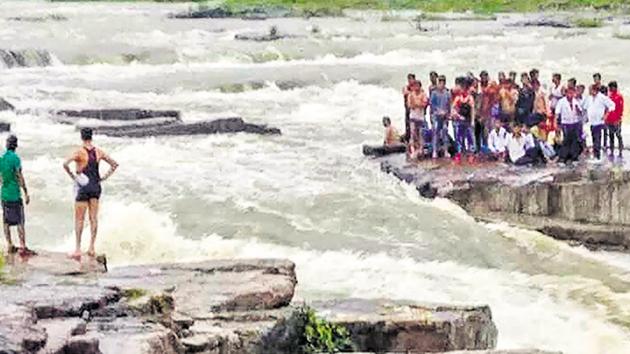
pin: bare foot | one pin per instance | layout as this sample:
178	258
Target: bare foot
91	253
76	256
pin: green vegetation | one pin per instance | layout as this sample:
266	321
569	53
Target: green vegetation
320	335
625	36
477	6
133	293
588	22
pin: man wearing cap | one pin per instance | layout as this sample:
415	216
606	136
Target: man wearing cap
12	204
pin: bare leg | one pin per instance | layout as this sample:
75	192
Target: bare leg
93	211
7	235
79	221
22	235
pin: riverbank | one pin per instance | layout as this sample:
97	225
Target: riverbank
583	204
479	6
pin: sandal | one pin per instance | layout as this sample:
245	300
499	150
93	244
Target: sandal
13	250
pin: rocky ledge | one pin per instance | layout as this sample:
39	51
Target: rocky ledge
51	304
137	123
582	203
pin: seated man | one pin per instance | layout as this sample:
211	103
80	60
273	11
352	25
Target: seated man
497	141
522	149
392	138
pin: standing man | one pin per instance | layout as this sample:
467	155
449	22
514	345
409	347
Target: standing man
12	205
406	90
568	112
614	118
489	93
417	101
596	105
433	79
557	91
88	186
440	103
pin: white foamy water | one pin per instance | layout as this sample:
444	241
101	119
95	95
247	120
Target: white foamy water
307	195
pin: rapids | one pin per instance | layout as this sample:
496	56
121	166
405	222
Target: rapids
308	195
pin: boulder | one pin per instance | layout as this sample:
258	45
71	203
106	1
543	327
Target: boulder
581	203
5	105
123	114
382	325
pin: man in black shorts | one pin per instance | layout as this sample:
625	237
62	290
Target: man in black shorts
88	187
12	204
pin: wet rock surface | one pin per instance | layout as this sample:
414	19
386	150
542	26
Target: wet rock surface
383	150
584	203
51	304
138	123
383	325
5	127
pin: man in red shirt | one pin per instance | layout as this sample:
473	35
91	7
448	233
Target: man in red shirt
614	118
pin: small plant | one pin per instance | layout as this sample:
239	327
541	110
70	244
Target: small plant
323	336
133	293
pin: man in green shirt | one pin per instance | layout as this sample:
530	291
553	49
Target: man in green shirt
12	205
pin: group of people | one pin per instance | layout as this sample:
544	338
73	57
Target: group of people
87	187
521	123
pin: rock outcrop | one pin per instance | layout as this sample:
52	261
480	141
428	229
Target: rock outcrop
582	203
124	114
51	304
25	58
5	127
138	123
257	12
381	325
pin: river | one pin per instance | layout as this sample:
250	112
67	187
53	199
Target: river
308	195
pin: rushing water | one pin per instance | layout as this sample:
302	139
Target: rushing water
307	195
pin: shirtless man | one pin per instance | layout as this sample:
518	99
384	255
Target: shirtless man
391	134
417	102
411	78
489	96
88	185
507	99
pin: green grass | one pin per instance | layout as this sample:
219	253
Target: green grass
588	22
134	293
477	6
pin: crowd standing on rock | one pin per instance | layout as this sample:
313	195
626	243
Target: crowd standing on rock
518	123
87	183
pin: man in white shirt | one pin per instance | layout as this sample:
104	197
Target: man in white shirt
568	113
596	105
522	148
497	141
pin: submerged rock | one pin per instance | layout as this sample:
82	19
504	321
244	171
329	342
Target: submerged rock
25	58
582	203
